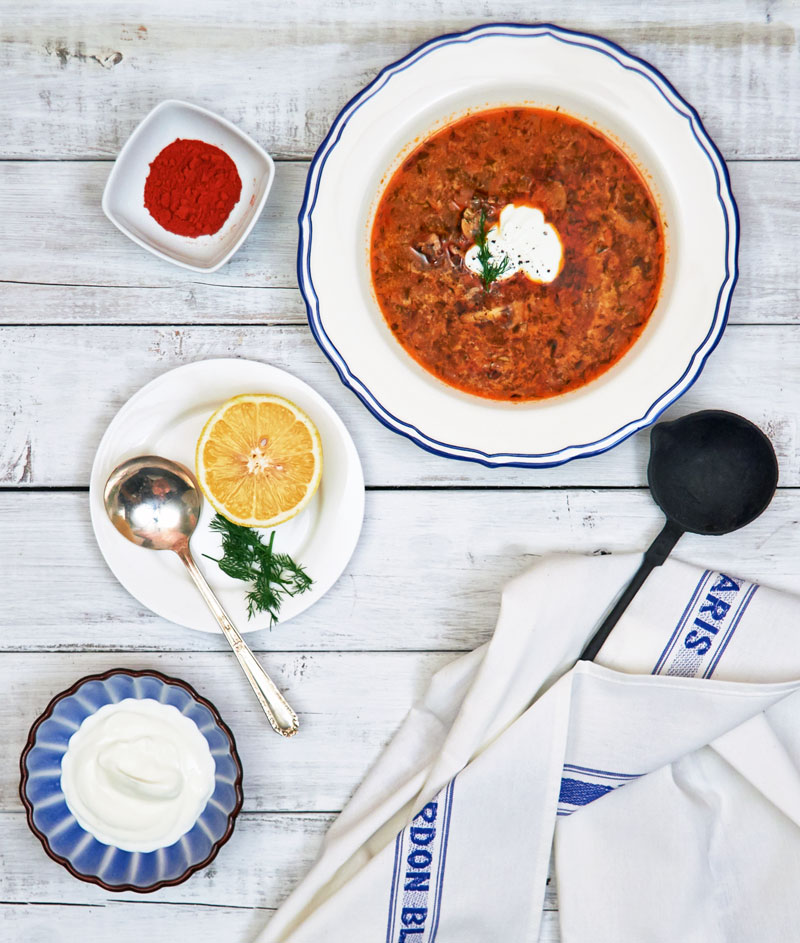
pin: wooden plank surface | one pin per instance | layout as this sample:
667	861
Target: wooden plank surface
426	575
86	318
266	856
263	861
130	922
49	438
103	277
258	867
349	706
282	71
134	921
358	701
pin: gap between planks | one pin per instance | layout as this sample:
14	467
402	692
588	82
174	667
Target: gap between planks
307	160
389	489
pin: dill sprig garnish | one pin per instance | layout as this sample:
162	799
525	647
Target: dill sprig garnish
490	270
246	557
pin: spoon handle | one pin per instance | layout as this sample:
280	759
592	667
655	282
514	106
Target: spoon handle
282	718
656	554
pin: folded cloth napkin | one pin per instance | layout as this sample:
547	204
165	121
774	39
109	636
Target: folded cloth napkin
693	706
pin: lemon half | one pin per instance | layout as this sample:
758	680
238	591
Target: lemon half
259	460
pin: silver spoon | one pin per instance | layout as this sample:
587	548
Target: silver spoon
155	503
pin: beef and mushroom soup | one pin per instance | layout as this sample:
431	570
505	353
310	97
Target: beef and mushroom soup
517	253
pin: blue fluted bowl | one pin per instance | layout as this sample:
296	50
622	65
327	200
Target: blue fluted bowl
80	852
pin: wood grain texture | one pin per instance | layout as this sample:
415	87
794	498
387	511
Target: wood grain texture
349	706
61	386
134	921
263	861
81	78
103	277
426	575
258	867
130	922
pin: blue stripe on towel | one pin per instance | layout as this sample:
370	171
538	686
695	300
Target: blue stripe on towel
576	792
581	785
602	773
706	626
673	639
418	872
732	628
442	858
398	845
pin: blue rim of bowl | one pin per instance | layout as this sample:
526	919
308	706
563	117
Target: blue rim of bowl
696	362
30	807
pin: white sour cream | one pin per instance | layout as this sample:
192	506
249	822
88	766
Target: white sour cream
531	245
137	774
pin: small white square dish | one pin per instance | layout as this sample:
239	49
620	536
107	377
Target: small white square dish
123	197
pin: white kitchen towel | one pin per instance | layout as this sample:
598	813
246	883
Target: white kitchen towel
693	707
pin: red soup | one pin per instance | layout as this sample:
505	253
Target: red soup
512	328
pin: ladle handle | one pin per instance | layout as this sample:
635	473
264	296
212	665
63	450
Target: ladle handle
282	718
656	554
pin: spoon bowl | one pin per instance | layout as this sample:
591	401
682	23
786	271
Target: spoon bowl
155	503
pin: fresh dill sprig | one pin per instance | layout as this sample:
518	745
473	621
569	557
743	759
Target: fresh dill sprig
490	270
246	557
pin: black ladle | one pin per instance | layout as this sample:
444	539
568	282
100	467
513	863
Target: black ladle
711	473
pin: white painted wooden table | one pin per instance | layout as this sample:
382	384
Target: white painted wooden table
86	318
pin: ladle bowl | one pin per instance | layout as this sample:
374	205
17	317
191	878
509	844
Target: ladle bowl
710	472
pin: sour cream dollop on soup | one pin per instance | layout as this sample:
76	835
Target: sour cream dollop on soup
527	240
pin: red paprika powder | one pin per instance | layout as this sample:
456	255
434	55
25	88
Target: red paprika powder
192	188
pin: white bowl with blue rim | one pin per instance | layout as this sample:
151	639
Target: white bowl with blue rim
543	66
51	820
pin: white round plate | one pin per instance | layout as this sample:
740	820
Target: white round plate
540	66
166	418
